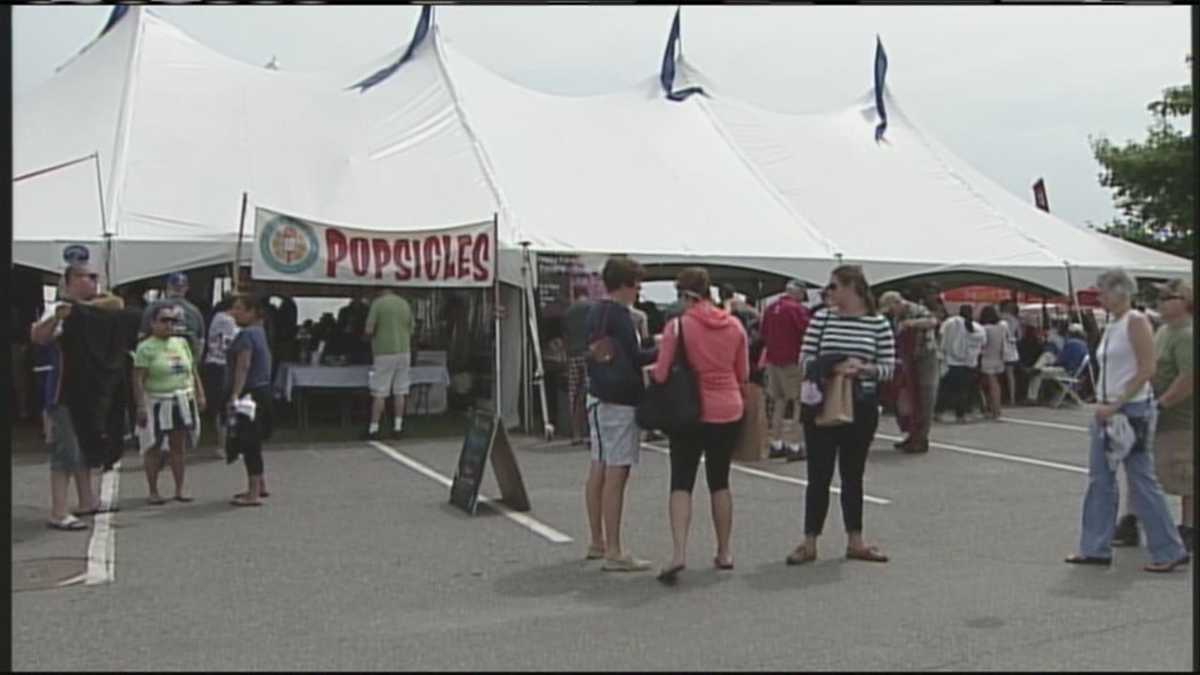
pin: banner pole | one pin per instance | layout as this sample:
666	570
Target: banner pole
237	255
496	309
104	233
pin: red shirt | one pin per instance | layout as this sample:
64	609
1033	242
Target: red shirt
782	331
715	344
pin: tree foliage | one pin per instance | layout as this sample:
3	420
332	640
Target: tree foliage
1154	181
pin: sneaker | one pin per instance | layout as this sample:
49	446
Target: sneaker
626	563
1188	535
776	450
795	453
1127	531
373	436
397	433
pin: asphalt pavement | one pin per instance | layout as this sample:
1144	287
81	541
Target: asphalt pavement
358	562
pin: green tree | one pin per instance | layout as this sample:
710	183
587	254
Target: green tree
1154	181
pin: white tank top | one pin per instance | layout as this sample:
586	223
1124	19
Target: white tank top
1118	363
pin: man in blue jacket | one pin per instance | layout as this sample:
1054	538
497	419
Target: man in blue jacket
1070	357
614	365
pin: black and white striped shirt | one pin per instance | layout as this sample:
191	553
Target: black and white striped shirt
869	338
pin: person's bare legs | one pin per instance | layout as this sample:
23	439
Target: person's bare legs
59	481
593	499
680	511
398	401
175	458
377	404
88	499
722	514
993	392
1010	374
612	502
151	464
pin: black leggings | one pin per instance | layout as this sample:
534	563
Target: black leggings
251	434
715	442
961	381
848	445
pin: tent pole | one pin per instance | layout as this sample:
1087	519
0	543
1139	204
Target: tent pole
496	310
104	233
237	255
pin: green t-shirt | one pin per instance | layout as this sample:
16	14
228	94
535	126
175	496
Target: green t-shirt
168	364
1173	348
390	321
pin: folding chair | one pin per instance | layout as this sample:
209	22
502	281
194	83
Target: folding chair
1067	384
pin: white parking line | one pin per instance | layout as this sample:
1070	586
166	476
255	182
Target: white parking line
522	519
996	455
1048	425
772	476
102	547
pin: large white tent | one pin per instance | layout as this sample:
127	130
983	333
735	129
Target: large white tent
181	131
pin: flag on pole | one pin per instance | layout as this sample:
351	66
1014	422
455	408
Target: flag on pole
667	76
881	64
1039	195
118	12
422	30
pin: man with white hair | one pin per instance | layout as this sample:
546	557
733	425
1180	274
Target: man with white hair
782	331
921	363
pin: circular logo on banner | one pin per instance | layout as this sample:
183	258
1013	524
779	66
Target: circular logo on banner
76	253
289	246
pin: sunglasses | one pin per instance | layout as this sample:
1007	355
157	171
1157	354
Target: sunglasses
1164	298
168	320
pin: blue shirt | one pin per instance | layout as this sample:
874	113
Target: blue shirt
254	340
1073	353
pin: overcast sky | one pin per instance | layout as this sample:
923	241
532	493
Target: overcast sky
1016	91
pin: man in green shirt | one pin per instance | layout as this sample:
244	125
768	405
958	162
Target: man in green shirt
390	327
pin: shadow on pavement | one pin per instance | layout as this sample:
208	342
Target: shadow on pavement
778	576
585	581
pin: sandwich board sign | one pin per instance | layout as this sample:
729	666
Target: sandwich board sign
486	436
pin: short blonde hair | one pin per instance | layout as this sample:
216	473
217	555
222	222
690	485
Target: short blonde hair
1117	281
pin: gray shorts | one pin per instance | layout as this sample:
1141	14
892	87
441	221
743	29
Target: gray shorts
65	455
615	435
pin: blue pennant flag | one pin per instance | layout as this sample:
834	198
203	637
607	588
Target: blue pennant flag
880	74
118	13
667	77
418	37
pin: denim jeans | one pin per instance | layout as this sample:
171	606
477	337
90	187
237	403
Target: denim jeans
1100	503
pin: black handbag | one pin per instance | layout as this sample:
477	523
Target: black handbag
672	406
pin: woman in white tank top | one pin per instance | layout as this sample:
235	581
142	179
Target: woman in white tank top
1127	362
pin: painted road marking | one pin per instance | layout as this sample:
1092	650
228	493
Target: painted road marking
1048	425
996	455
102	547
772	476
522	519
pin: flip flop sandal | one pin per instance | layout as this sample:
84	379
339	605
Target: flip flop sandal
82	514
1077	559
801	555
722	565
1162	568
67	524
242	502
155	501
183	499
594	553
870	554
670	575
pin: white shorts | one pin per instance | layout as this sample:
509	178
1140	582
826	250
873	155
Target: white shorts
390	373
616	440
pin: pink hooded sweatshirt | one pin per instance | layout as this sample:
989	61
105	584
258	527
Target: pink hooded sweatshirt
716	348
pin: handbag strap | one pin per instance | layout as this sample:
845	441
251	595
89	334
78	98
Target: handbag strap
601	328
680	347
821	337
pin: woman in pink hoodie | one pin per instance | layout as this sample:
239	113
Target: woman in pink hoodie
716	350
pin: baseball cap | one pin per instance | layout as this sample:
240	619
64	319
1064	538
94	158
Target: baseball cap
795	285
177	280
1178	287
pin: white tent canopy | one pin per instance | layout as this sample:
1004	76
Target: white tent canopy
182	131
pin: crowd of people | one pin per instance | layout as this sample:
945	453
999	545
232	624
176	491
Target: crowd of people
899	349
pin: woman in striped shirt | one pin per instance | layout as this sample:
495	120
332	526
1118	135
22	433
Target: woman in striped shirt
852	327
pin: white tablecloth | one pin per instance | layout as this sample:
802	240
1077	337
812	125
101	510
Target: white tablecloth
295	375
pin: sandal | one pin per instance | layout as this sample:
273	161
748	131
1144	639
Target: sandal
155	500
722	565
181	498
1076	559
1167	567
801	555
67	524
870	554
594	553
245	502
670	575
95	511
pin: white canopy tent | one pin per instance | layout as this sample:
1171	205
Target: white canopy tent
181	131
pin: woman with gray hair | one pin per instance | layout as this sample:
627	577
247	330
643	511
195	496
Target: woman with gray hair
1126	403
